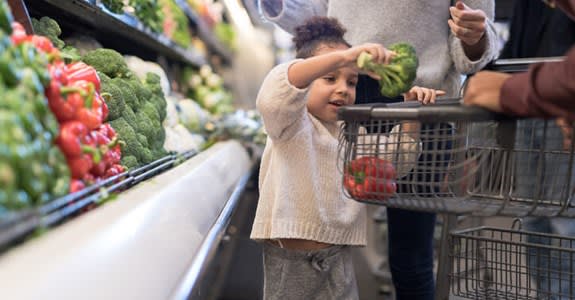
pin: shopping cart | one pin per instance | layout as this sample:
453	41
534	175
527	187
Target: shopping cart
465	161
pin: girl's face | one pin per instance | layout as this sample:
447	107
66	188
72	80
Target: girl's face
333	90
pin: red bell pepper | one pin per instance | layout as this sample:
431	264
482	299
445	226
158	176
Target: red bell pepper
76	185
370	178
91	113
42	43
70	138
18	33
114	170
79	71
80	165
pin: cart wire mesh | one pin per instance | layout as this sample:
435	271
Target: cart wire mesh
493	263
455	159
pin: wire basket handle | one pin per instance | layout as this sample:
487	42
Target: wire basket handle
444	110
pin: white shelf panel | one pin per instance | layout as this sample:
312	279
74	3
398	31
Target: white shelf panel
136	247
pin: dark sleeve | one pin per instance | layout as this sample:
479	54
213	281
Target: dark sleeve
546	90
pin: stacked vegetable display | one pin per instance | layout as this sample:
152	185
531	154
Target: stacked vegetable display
136	108
73	92
91	147
32	168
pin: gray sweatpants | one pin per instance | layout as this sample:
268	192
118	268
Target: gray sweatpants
309	274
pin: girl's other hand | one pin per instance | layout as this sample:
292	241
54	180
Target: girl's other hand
423	95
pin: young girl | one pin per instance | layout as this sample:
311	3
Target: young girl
303	218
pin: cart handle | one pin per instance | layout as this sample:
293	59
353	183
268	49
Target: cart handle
443	110
513	65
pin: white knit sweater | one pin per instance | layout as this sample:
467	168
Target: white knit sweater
300	184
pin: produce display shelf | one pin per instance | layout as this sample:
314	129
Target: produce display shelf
121	29
205	33
150	243
17	226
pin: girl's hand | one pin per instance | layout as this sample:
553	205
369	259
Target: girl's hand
423	95
379	53
467	24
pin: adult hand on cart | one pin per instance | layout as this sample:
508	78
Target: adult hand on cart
483	89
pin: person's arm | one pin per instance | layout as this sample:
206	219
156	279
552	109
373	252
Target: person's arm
473	38
546	90
281	99
280	103
288	14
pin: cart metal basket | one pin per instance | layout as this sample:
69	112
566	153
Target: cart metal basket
462	160
493	263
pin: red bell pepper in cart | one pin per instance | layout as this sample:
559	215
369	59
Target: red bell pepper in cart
370	178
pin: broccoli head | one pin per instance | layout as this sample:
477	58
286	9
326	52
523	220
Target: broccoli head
129	116
113	97
150	110
161	106
109	62
49	28
152	81
127	134
129	161
128	93
396	77
146	156
143	140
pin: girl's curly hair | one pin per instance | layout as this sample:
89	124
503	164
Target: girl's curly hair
318	31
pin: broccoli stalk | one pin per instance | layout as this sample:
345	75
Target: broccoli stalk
396	77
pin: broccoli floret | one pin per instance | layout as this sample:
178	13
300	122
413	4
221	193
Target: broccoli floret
161	106
128	93
131	145
153	83
115	6
129	116
104	79
109	62
145	125
396	77
159	153
129	161
146	156
49	28
140	90
113	97
150	110
143	140
159	138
